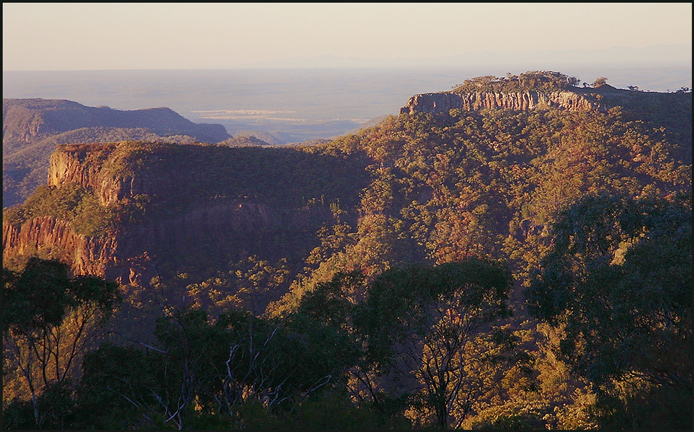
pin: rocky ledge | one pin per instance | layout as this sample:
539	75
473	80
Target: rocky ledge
529	100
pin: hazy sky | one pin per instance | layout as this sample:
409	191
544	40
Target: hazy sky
92	36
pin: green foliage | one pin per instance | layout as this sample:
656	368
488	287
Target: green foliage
490	183
332	303
487	183
600	82
426	322
114	390
71	202
37	297
397	300
336	411
55	407
618	280
49	320
239	371
637	405
528	81
522	421
41	295
254	173
247	284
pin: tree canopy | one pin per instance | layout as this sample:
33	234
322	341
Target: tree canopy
618	282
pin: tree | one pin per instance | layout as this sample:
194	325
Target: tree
247	284
618	282
116	388
600	82
238	370
424	325
49	321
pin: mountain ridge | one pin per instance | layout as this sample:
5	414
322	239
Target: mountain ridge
527	100
27	119
431	156
33	127
222	196
571	98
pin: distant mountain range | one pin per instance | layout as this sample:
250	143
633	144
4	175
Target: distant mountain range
33	127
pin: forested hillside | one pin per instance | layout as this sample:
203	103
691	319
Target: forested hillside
469	267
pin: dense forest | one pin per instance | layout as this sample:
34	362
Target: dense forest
490	269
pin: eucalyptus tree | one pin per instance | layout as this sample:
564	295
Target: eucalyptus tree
50	320
425	328
617	282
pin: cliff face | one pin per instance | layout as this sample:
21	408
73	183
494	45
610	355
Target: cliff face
135	252
70	164
444	102
33	127
48	234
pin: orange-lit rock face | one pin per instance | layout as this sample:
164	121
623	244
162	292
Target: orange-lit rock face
444	102
86	255
129	252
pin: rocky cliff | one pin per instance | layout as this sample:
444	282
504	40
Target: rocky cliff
446	101
661	108
33	127
196	213
49	235
86	166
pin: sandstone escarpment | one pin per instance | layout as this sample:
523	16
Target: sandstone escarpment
69	164
188	217
92	166
57	238
33	127
241	228
134	253
528	100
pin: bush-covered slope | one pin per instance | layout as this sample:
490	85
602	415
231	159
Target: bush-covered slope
459	184
396	262
440	187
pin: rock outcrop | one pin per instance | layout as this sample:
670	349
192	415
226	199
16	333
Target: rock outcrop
446	101
135	252
33	127
87	255
69	164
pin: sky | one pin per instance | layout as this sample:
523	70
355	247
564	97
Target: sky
122	36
